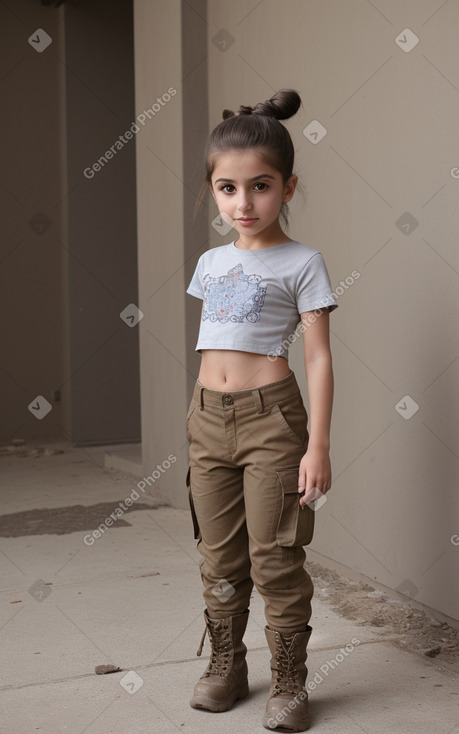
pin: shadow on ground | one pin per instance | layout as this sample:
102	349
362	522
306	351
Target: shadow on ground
64	520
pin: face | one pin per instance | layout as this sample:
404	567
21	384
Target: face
249	194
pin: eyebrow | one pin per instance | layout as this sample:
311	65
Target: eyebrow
255	178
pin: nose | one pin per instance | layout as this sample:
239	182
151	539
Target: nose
245	201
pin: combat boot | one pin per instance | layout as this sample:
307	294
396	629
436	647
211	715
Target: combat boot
287	707
225	679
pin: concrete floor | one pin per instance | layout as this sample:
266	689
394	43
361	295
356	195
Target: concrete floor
133	599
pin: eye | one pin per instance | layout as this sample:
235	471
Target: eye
260	186
228	188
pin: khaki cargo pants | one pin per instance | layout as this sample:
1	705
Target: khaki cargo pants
245	451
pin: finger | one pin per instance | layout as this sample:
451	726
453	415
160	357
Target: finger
314	493
301	481
312	484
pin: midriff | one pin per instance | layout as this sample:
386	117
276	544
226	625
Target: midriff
227	370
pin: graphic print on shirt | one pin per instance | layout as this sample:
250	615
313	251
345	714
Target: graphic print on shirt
233	297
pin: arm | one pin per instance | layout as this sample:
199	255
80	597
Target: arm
315	467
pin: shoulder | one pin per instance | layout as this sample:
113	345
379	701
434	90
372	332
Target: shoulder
305	251
302	255
215	253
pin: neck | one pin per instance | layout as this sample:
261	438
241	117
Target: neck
274	236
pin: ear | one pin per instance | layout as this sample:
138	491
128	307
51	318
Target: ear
289	188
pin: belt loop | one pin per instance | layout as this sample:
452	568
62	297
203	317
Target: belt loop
258	400
201	398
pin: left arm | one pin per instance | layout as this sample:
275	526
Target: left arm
315	467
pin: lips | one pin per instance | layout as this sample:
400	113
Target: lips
247	220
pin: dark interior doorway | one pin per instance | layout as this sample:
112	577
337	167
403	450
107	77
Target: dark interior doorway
102	243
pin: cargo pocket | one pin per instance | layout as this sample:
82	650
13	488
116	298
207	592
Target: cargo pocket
196	531
296	525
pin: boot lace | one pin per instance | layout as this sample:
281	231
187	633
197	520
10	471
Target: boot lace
220	640
287	678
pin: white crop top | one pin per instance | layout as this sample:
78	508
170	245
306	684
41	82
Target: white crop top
253	298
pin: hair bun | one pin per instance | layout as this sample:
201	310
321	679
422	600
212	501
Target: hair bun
283	104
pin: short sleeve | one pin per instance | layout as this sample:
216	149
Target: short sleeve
314	290
196	287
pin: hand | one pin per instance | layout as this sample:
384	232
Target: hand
315	475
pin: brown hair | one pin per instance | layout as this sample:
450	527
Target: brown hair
256	127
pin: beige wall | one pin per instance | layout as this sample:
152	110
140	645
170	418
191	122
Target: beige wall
160	204
391	143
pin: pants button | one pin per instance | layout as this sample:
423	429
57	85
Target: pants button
228	399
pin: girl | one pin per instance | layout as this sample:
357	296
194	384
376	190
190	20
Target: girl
254	467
